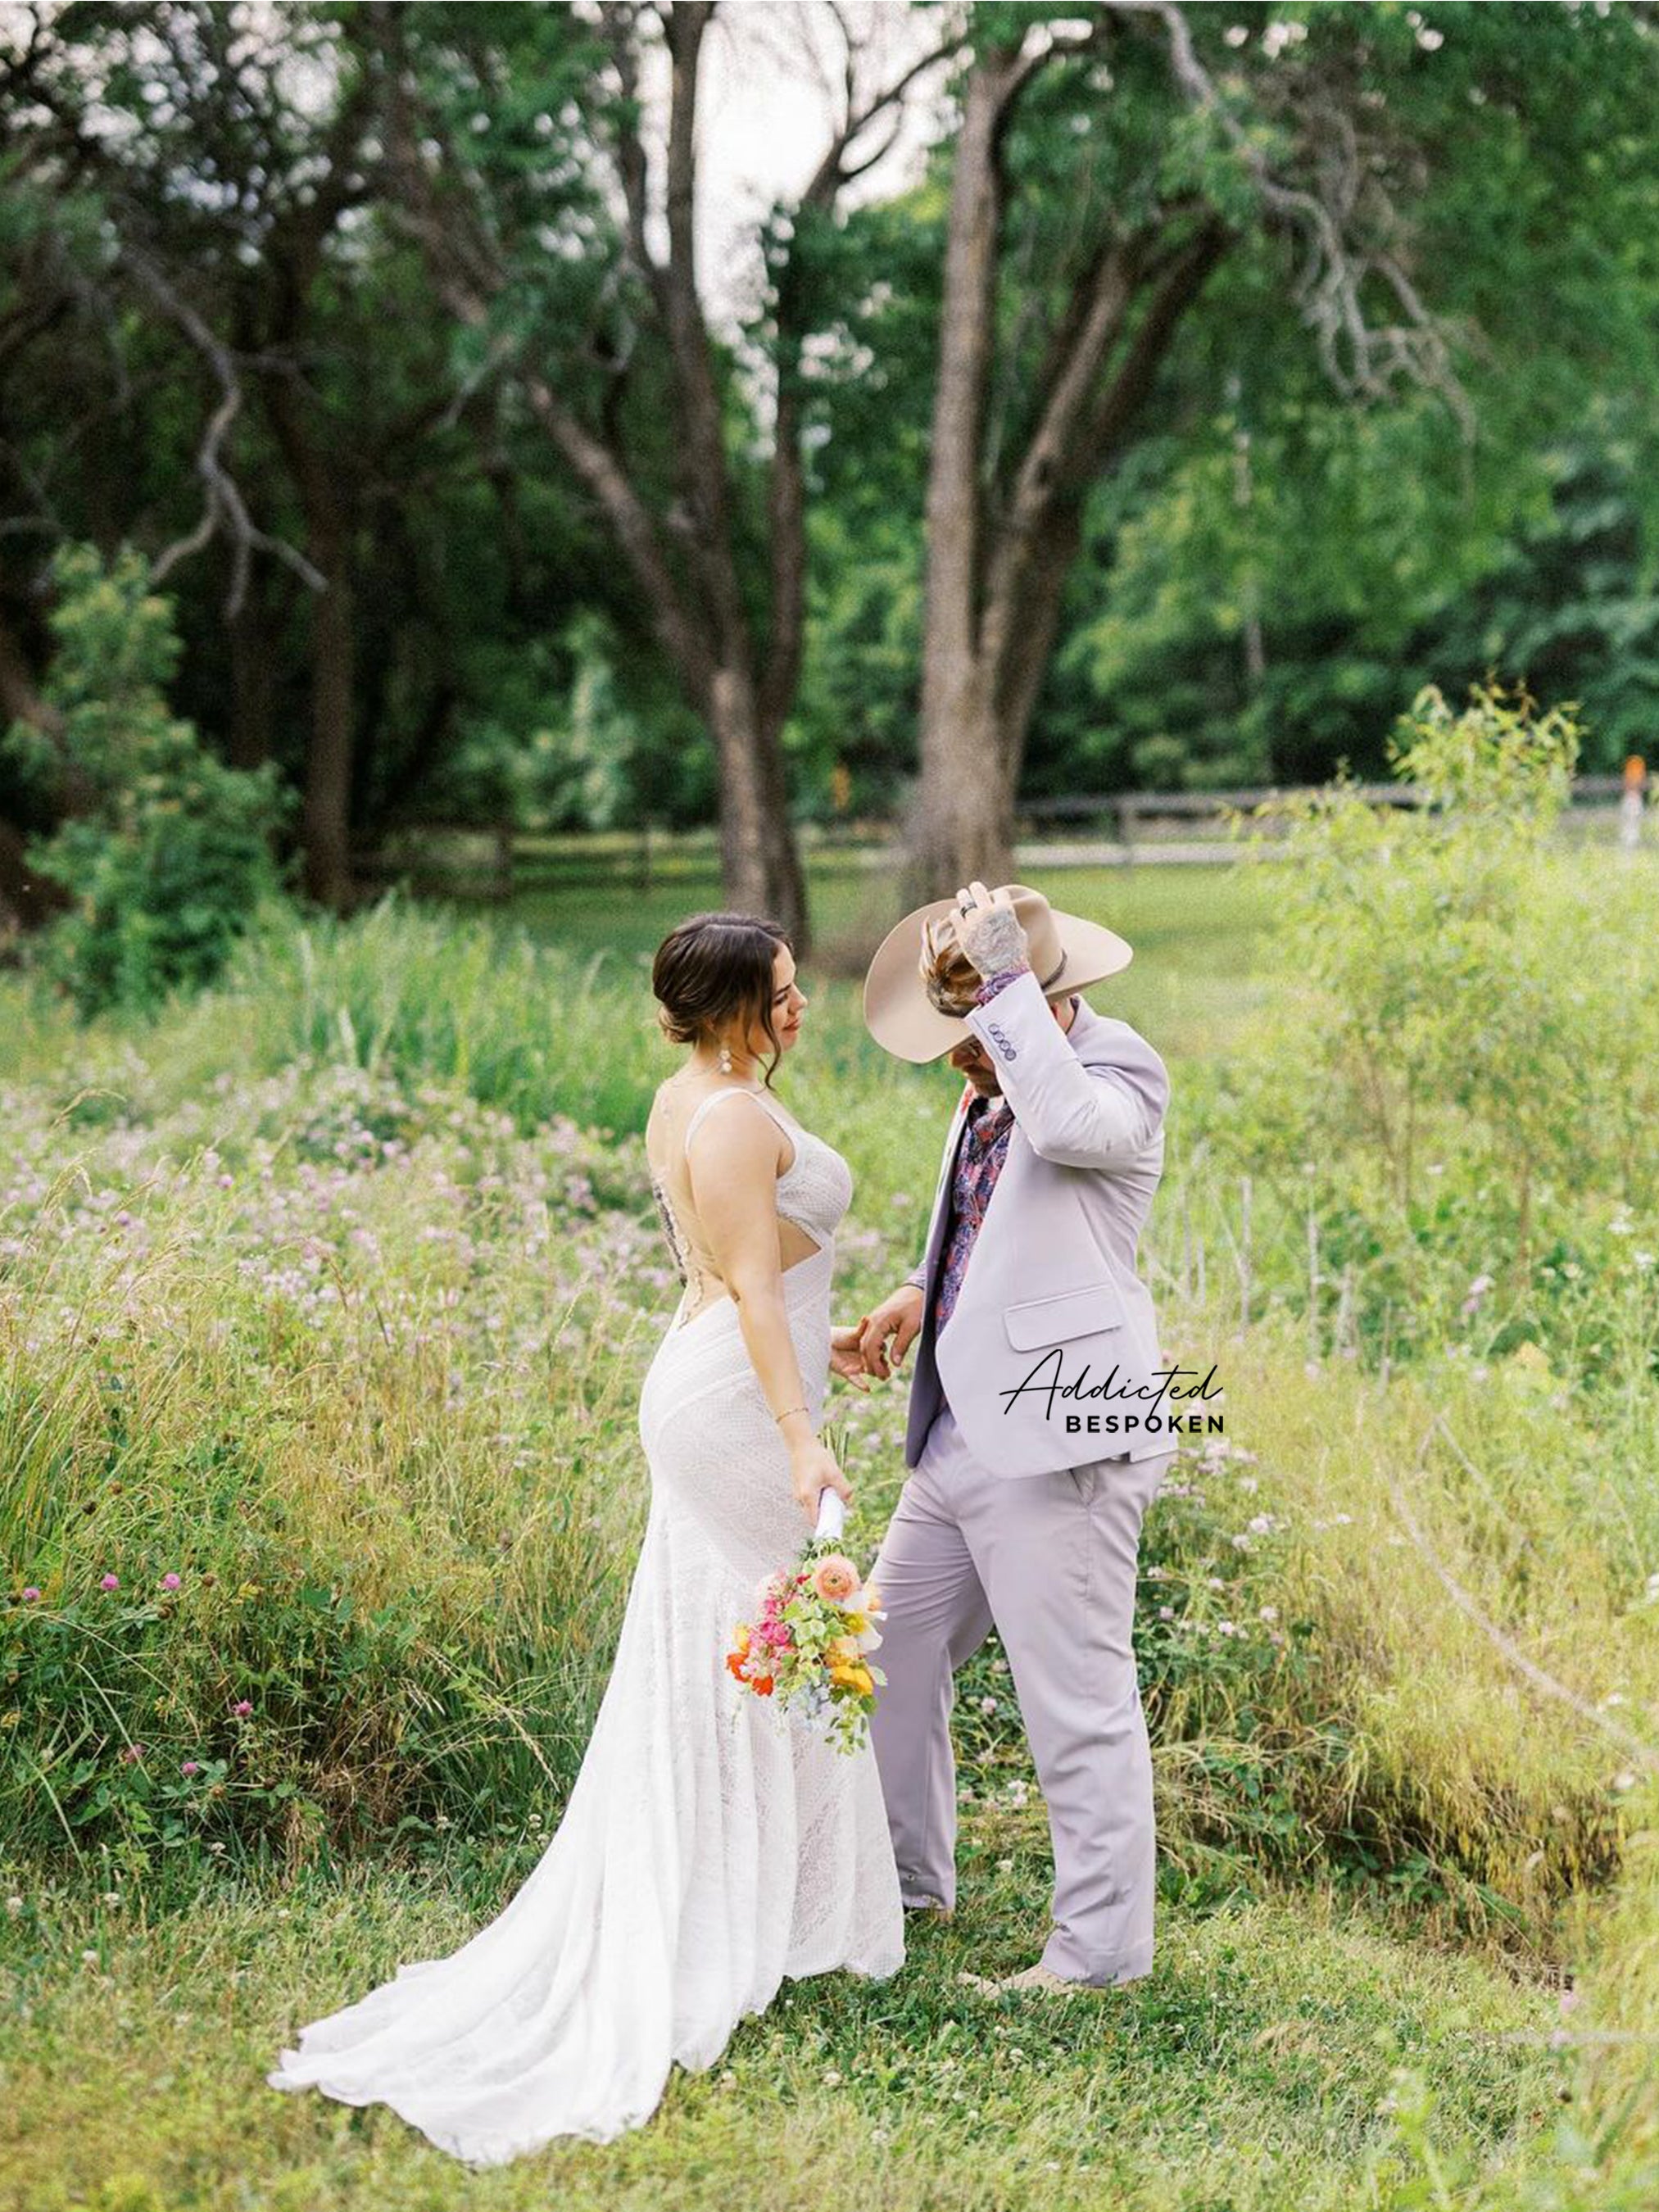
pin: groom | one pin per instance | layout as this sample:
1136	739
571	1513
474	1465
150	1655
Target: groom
1032	1460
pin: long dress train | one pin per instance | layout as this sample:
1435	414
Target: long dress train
708	1847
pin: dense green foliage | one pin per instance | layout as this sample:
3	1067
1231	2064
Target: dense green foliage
1268	574
1462	1092
172	854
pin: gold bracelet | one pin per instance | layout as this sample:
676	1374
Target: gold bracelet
787	1411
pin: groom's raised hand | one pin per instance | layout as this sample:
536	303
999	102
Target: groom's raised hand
887	1333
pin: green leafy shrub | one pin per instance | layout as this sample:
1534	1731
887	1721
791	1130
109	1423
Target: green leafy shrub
175	854
1451	1098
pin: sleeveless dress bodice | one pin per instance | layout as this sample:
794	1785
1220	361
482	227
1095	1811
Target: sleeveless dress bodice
813	1191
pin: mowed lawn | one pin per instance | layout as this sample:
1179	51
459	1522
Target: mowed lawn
1199	934
1278	2058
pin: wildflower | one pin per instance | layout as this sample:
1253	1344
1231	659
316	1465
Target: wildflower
171	1581
31	1595
190	1766
242	1708
109	1582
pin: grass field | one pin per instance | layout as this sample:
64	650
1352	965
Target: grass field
329	1293
1198	934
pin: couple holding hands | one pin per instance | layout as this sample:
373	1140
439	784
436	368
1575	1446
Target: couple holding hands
705	1850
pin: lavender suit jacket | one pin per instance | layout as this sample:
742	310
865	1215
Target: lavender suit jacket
1051	1289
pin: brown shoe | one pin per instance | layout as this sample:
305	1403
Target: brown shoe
931	1908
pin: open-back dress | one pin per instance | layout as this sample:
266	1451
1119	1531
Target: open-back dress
708	1847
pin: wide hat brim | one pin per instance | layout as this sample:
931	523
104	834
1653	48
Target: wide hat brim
904	1021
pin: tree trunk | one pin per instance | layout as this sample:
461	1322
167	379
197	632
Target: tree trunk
962	826
326	817
326	811
996	577
759	863
965	829
27	899
252	674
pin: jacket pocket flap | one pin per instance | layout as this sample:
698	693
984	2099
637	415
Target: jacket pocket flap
1063	1314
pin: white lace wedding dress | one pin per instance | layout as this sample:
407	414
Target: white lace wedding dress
709	1848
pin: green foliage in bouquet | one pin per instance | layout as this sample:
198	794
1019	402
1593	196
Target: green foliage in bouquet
174	856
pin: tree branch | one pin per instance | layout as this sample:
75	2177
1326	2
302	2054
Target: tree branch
467	279
224	506
1362	359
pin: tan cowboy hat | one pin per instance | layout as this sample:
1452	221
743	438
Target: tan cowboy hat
1066	952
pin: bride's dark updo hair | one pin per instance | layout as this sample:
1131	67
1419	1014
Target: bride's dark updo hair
712	967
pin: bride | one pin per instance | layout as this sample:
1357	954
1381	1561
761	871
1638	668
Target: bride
708	1848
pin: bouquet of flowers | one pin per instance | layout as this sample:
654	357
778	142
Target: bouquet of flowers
810	1645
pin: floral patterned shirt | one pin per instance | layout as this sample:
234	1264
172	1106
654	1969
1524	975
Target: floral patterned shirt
978	1161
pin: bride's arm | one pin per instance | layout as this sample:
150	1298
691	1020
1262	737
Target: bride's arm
733	1162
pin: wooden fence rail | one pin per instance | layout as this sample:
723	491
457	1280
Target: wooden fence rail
498	860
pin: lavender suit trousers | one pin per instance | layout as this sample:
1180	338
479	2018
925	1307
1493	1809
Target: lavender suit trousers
1051	1560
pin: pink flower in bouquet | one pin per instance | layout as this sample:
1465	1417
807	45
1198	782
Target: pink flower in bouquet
771	1590
835	1578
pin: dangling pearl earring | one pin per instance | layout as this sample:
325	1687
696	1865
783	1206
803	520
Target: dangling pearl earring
725	1060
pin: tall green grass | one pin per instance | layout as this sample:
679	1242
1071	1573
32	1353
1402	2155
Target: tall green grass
329	1293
